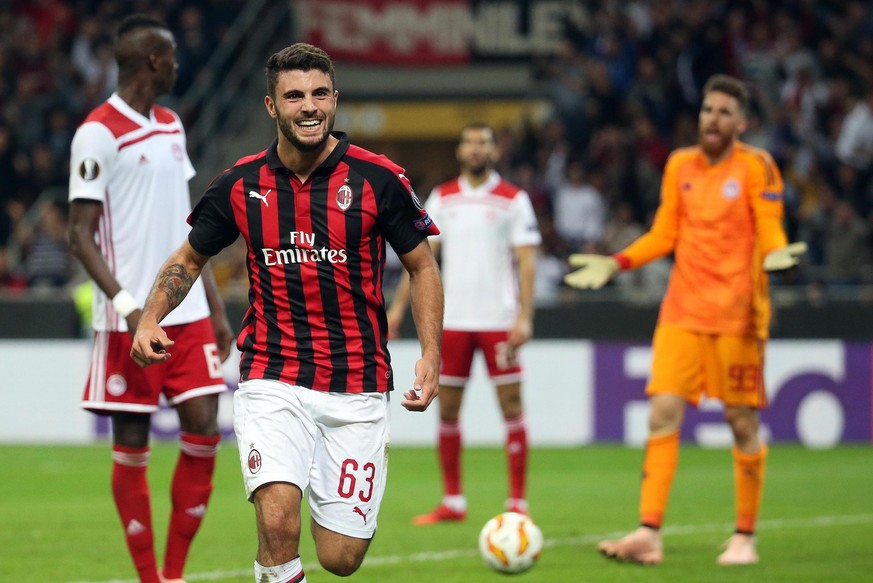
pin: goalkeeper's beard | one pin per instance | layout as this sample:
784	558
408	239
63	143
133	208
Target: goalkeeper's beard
286	126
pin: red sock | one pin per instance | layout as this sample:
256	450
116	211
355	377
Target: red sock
516	454
450	456
192	485
131	493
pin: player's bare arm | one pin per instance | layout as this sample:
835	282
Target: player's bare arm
84	220
399	302
218	314
174	281
426	297
522	329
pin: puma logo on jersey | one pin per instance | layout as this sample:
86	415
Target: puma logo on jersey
263	197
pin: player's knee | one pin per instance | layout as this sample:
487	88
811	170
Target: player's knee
511	408
199	415
743	422
278	535
341	563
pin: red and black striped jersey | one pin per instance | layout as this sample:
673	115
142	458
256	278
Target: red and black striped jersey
315	255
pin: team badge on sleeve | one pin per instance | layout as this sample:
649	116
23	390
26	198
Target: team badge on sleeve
423	222
89	169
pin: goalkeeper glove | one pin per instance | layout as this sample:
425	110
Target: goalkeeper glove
785	257
595	270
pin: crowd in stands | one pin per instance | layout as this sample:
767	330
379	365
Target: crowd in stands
625	91
56	64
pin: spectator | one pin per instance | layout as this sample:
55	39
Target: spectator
579	208
846	245
47	259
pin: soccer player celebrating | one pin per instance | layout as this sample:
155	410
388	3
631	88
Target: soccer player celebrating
721	215
488	244
129	200
311	412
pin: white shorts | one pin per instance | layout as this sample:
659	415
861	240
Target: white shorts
333	445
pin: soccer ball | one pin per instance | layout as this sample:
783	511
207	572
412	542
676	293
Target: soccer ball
510	543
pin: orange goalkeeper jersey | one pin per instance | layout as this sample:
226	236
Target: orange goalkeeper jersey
719	221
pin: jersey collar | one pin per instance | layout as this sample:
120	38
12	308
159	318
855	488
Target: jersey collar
126	110
487	186
275	164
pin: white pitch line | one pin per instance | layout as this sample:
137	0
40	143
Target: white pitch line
430	557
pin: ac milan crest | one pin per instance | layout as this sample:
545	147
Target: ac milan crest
254	461
344	197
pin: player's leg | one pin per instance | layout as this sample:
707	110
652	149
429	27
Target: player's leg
192	382
130	490
340	554
516	445
660	460
129	394
276	437
749	455
277	513
743	395
505	371
457	358
450	441
192	479
347	476
677	378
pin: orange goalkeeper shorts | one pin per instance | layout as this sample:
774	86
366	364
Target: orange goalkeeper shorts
690	364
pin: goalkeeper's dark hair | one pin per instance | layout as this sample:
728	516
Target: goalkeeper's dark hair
298	57
132	50
729	86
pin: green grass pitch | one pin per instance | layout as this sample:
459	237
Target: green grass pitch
57	521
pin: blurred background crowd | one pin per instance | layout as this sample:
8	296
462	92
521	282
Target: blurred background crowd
623	91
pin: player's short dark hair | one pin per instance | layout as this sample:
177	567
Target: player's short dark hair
729	86
136	21
301	57
131	52
480	125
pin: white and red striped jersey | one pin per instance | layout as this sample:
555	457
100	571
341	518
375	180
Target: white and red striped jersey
479	231
139	169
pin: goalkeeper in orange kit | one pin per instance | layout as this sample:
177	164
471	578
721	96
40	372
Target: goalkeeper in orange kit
721	215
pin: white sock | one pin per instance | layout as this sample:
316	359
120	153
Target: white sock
284	573
458	502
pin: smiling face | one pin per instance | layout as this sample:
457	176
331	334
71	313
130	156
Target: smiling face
721	121
304	107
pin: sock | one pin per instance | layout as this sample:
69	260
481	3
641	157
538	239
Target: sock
659	467
290	572
516	454
450	456
130	491
748	487
192	485
456	502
